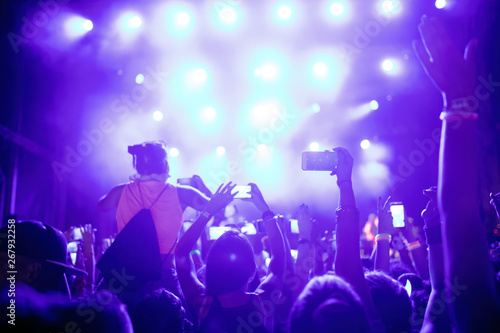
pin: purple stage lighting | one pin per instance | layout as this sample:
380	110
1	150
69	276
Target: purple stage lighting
77	26
182	19
440	4
284	12
365	144
220	150
374	105
157	115
173	152
314	146
139	79
337	9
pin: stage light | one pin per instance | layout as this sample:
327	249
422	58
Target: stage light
200	75
182	19
316	108
365	144
320	70
267	72
77	26
284	12
388	6
87	25
209	113
174	152
157	115
374	105
388	65
132	22
220	150
139	79
337	9
196	77
314	146
228	15
440	4
262	148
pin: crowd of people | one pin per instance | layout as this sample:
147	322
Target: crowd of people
156	276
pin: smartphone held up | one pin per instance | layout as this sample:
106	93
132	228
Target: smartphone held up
397	210
319	160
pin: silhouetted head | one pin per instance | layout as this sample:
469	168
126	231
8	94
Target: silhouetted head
391	300
230	264
328	304
41	312
160	311
150	157
41	252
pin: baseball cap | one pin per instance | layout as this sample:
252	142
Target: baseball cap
40	241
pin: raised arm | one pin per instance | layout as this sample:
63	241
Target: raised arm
274	278
383	237
434	321
348	261
110	200
189	196
191	286
468	273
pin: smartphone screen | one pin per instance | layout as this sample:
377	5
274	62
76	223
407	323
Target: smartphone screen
72	250
398	215
215	232
319	160
77	234
294	226
243	192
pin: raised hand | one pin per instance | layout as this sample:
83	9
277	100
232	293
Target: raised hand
384	217
344	166
257	198
304	221
87	235
431	212
453	73
221	198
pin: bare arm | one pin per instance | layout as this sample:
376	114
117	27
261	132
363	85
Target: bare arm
347	261
382	242
189	196
110	200
192	288
468	273
274	278
434	321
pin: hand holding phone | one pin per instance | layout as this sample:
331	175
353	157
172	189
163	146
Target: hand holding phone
243	192
398	214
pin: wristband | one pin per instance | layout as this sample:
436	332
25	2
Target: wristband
206	214
412	246
433	235
346	212
383	236
267	214
194	252
304	241
451	115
